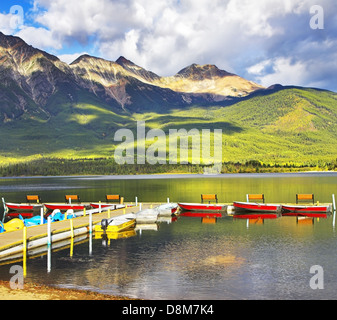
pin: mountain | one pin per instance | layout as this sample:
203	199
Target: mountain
36	80
52	109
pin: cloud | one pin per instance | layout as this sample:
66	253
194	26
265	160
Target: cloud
261	40
69	58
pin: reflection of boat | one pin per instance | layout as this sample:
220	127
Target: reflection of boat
256	207
305	209
256	216
116	235
201	214
201	207
305	214
23	214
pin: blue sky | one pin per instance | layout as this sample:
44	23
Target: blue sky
292	42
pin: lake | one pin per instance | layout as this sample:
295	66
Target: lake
190	258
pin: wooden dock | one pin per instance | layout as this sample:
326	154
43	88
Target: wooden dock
12	243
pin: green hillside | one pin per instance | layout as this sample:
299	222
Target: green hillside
293	126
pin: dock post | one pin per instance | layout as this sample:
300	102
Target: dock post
5	210
140	207
90	222
100	207
168	200
136	201
72	228
41	215
24	252
247	197
49	232
334	211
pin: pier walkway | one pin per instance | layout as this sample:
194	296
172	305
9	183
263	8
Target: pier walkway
12	242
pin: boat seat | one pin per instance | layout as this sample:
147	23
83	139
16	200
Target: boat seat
256	197
72	198
209	198
33	198
305	198
113	198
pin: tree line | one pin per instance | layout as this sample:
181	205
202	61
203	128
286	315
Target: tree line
107	166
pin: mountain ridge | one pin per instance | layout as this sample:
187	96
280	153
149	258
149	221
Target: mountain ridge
49	108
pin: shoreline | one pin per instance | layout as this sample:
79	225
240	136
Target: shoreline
33	291
170	175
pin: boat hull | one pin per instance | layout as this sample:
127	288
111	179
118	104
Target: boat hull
305	209
63	207
102	205
200	207
23	206
118	227
241	207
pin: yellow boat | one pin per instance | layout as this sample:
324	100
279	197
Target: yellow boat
117	235
115	225
13	225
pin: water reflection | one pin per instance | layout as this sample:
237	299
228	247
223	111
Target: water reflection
200	257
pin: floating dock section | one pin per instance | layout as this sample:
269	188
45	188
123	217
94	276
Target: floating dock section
16	243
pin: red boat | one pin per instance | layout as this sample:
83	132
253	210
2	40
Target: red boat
256	207
60	206
200	207
23	206
305	209
96	205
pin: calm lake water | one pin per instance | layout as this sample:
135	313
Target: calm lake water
189	258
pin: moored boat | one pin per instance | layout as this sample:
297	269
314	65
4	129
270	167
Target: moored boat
256	207
201	207
23	206
306	209
64	206
97	205
116	224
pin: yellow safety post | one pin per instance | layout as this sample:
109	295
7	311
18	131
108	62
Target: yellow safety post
84	212
25	252
72	228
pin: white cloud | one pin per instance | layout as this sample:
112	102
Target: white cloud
69	58
284	72
254	38
40	38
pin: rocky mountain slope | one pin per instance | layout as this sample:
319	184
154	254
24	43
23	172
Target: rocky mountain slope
31	81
